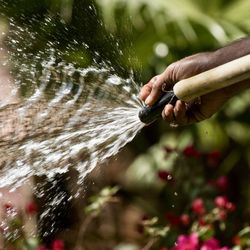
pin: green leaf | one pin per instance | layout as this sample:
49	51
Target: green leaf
206	232
100	200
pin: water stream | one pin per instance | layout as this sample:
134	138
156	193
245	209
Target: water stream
58	115
74	118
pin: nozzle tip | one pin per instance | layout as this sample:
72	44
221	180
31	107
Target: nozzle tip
149	114
145	115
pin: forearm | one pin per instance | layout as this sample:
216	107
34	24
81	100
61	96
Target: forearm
231	52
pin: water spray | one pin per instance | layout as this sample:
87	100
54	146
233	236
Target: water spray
199	85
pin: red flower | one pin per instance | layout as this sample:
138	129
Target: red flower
164	175
58	245
230	206
31	208
198	206
236	240
213	158
42	247
173	219
185	219
191	152
222	183
202	222
222	215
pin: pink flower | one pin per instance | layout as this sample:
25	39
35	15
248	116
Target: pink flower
221	201
191	152
212	244
198	206
187	242
57	245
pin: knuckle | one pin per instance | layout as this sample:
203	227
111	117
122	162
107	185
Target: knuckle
154	79
145	88
170	73
158	84
165	117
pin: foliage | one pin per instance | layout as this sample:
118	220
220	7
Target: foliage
194	200
100	200
183	181
185	26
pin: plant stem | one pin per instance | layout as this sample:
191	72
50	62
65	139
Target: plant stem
150	244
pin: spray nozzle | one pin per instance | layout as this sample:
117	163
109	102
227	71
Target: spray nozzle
148	114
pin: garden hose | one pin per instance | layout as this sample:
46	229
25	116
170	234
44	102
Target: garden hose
198	85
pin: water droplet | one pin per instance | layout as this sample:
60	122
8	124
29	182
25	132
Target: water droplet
175	193
170	177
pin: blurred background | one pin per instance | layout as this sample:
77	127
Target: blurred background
167	182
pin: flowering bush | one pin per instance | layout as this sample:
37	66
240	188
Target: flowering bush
197	206
192	208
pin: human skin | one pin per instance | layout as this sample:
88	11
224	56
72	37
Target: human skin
186	113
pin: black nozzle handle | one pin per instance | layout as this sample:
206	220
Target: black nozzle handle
149	114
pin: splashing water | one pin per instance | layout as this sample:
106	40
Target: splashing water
75	118
66	117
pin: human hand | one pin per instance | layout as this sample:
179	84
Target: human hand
185	113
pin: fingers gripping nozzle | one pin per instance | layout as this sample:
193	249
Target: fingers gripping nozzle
149	114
